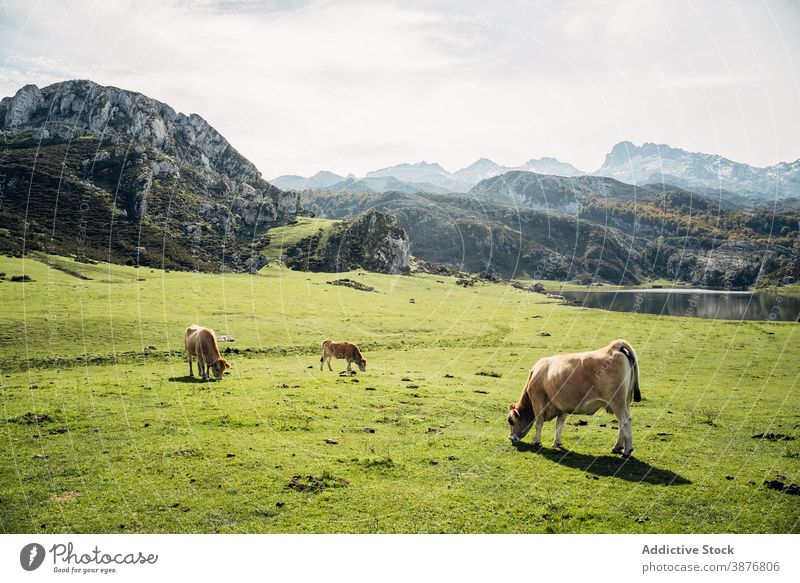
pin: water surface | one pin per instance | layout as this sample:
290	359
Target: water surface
694	303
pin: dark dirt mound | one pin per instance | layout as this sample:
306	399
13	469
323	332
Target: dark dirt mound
774	436
352	284
31	418
793	489
313	484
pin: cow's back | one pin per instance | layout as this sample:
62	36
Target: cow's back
197	338
574	382
344	349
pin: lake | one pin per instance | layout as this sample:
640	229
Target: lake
697	303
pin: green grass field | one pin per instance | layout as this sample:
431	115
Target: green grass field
102	434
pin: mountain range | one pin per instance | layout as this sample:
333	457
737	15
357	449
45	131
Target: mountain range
626	162
421	177
527	225
102	173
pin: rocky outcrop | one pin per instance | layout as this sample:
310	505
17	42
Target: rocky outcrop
730	264
370	241
77	151
80	108
17	112
120	116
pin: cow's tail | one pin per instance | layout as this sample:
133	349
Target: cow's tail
625	348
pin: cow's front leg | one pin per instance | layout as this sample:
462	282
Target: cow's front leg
350	367
537	439
559	426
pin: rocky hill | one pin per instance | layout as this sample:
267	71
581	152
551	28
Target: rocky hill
104	173
672	234
471	235
558	193
372	241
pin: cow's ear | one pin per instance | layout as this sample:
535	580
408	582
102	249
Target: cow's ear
512	406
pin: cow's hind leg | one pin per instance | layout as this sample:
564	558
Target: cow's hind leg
619	414
329	362
624	443
559	426
620	440
626	426
191	372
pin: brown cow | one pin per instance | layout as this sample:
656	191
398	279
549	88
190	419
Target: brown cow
346	350
202	343
580	384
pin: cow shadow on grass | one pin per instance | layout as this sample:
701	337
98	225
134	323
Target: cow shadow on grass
608	466
186	379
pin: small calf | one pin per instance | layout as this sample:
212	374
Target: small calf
201	342
346	350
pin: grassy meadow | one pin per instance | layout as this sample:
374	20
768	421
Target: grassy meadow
102	431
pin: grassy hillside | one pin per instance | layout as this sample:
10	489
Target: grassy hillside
102	434
282	238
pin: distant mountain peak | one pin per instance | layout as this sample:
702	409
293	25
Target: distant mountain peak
658	163
483	163
325	174
321	179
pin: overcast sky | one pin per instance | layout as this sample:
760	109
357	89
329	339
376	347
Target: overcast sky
354	86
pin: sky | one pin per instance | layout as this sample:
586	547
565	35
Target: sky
352	86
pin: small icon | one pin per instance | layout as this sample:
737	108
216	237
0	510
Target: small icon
31	556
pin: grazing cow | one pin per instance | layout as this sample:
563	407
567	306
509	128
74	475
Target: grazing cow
346	350
579	383
202	343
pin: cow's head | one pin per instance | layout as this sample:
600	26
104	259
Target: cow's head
362	364
519	423
218	368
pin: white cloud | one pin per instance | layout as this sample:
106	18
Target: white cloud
351	86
